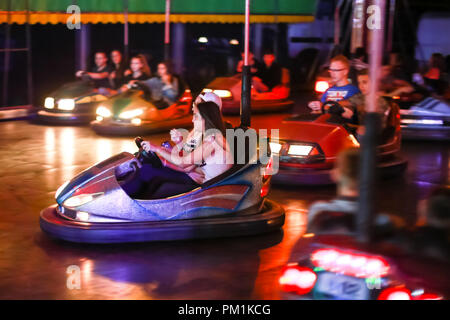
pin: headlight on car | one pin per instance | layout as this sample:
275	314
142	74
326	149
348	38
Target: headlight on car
223	93
103	112
136	121
49	103
275	147
131	114
81	199
299	150
66	104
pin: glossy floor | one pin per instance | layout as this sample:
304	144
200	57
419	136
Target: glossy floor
35	160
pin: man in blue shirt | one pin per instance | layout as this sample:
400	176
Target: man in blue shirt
341	89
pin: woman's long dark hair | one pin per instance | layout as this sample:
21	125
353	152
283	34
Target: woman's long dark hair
210	112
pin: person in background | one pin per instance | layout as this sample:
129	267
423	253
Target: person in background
165	87
391	86
436	76
358	63
357	103
341	89
346	175
139	71
117	76
100	73
255	65
269	75
431	234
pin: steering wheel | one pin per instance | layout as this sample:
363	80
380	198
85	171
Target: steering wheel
332	107
146	157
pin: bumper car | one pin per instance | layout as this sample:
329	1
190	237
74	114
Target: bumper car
133	113
330	264
428	119
229	89
93	207
73	103
309	143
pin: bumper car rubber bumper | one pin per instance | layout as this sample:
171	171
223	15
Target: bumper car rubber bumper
127	129
426	133
270	219
293	176
64	117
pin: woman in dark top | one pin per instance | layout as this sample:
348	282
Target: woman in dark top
139	71
117	77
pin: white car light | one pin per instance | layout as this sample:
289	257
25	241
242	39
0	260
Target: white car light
299	150
99	118
136	121
66	104
81	199
275	147
131	114
207	90
423	121
82	216
103	112
49	103
60	189
223	93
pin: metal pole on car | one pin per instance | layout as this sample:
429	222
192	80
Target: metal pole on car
6	58
29	57
367	210
125	31
246	75
167	32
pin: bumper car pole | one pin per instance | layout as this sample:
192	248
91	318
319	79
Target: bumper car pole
246	75
167	32
366	201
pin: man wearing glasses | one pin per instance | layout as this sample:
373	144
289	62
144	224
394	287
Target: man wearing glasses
342	89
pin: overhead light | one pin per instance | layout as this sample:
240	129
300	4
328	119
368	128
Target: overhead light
203	40
66	104
99	118
234	42
49	103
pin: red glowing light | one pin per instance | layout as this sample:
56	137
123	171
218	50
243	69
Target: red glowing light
351	264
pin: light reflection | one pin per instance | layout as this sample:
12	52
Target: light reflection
128	146
67	152
104	149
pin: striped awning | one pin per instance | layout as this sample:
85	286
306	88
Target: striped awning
152	11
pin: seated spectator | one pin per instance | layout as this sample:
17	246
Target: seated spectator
100	73
165	87
269	75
